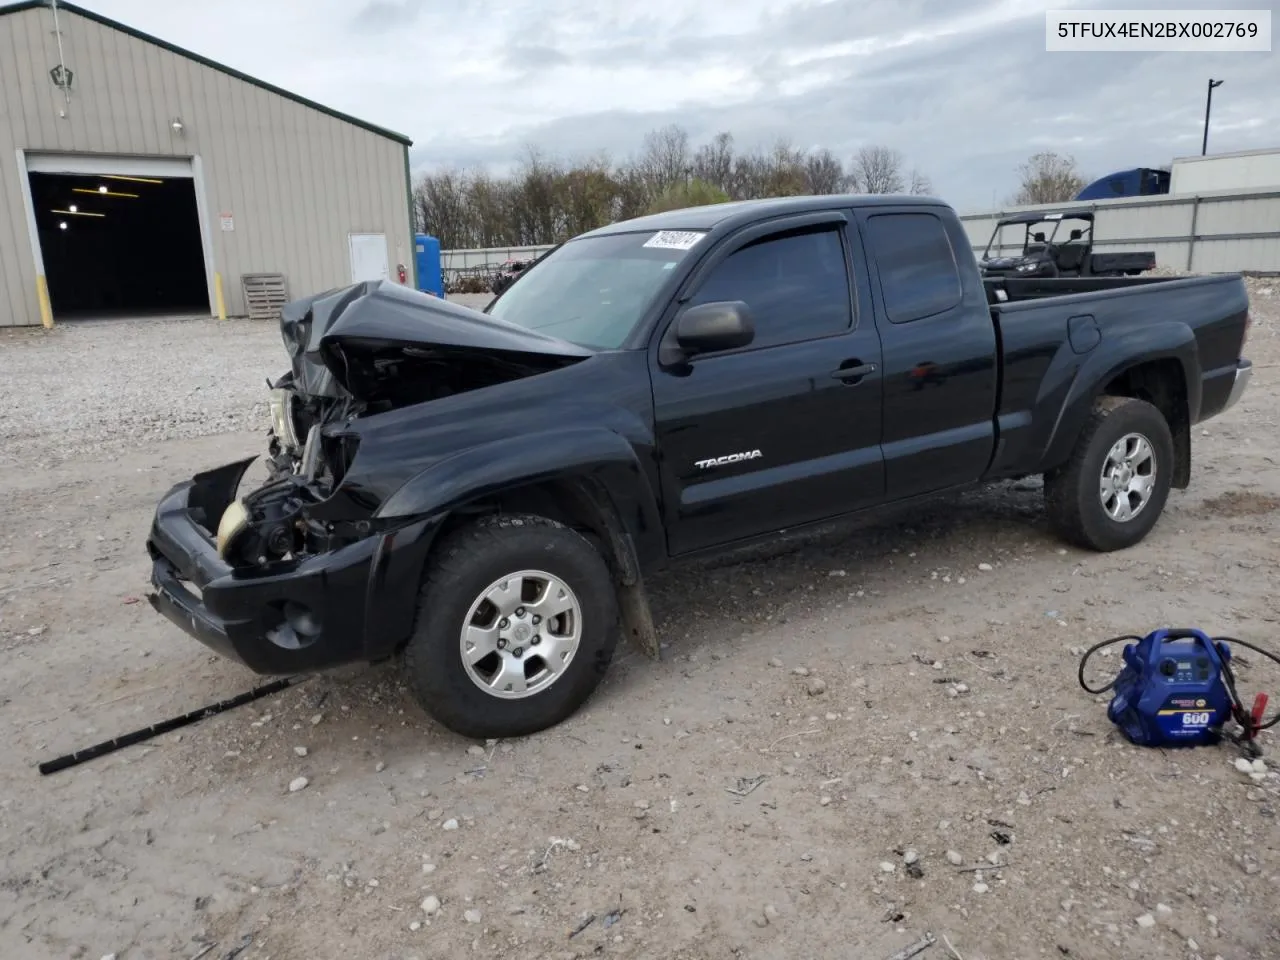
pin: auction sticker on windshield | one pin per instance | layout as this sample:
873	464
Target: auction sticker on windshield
673	239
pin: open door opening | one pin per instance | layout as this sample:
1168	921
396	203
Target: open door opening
117	245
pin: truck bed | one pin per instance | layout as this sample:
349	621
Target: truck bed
1060	338
1015	289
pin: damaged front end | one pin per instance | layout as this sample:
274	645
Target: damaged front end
299	573
355	353
278	522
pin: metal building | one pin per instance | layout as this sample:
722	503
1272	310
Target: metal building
1243	170
137	177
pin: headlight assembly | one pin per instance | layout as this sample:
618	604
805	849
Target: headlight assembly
281	401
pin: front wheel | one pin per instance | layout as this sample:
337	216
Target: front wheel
517	624
1111	492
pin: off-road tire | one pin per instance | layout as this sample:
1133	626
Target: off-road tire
1071	496
458	570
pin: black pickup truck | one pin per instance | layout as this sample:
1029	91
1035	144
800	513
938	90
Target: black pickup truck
1053	256
481	494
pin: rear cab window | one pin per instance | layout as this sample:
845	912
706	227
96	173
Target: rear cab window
919	276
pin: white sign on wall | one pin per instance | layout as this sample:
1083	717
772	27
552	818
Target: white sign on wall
228	222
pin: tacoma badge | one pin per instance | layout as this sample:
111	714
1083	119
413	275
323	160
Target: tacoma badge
730	458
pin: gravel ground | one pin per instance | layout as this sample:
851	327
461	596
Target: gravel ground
105	387
856	737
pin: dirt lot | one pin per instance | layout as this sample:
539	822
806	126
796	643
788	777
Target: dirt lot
947	723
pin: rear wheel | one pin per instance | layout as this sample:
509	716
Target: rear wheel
517	624
1111	492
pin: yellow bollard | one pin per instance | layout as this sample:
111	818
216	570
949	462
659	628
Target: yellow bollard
46	308
217	293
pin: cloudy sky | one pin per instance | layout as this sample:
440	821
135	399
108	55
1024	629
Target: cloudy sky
964	88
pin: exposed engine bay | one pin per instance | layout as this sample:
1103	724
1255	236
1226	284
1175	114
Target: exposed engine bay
356	353
304	467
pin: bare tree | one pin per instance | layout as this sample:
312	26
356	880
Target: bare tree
587	195
632	195
750	174
1048	177
713	163
920	184
537	212
877	170
440	201
492	200
665	159
785	171
823	173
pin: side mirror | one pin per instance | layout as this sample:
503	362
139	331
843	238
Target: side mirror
723	325
1076	234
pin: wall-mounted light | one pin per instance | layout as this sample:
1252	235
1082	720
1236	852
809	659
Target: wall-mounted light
177	125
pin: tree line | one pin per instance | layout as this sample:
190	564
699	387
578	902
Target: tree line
547	200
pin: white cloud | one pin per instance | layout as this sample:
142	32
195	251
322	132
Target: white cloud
963	87
915	34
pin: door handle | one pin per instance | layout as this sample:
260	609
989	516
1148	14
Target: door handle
855	373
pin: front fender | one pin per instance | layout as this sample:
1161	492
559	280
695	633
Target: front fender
1112	357
591	453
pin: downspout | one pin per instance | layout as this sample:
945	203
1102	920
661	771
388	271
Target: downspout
62	63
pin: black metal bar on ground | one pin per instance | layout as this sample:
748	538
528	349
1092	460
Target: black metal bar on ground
138	736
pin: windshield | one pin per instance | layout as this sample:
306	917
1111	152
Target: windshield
593	291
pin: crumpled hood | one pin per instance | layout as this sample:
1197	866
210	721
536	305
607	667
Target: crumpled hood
343	338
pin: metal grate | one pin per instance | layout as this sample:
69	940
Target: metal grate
264	294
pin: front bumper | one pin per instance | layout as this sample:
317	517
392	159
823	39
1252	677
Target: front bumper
357	603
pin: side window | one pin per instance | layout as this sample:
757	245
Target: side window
918	272
796	285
